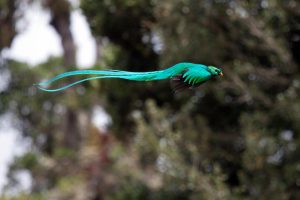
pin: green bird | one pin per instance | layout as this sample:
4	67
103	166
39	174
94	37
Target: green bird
183	76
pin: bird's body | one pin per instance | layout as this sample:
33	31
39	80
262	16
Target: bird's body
184	75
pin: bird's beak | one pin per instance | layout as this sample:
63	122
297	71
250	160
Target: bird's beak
221	74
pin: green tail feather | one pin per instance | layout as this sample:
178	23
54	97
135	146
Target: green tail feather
134	76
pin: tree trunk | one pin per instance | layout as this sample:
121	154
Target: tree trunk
60	11
7	23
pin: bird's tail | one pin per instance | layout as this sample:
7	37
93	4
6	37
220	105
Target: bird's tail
99	74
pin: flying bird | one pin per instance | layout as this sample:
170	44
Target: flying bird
182	75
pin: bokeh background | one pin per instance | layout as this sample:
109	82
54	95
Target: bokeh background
233	138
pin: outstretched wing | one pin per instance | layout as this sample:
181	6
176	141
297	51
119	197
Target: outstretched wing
190	78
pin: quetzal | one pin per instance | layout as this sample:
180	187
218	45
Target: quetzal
183	76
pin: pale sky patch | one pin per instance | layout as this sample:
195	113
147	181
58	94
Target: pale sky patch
86	44
37	40
12	144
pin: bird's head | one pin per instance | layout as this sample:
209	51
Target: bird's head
215	71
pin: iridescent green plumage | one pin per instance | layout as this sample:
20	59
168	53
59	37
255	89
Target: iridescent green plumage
184	75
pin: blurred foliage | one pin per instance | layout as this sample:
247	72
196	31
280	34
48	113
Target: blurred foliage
234	138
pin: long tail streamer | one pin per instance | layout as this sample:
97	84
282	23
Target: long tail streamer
135	76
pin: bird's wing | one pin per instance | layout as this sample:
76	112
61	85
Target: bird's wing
196	75
190	78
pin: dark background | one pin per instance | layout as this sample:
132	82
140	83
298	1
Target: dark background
233	138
